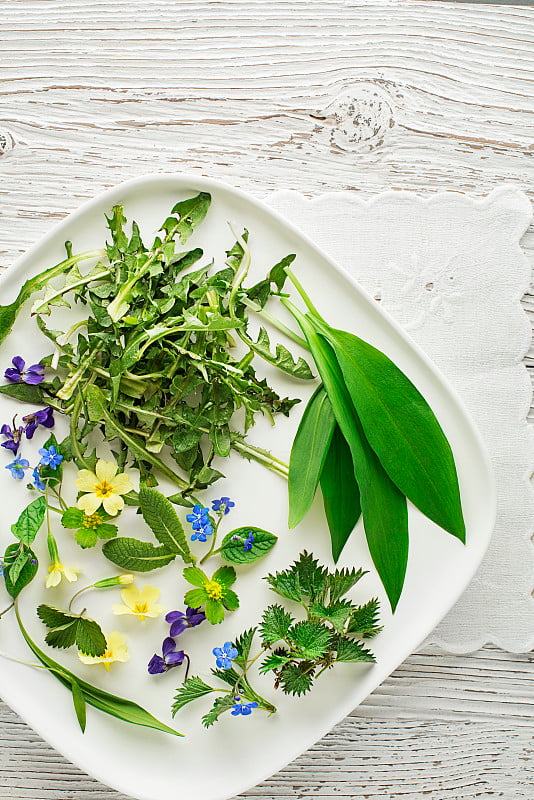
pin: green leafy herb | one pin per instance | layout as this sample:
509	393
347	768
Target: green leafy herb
67	629
246	545
213	593
20	568
162	519
29	522
136	556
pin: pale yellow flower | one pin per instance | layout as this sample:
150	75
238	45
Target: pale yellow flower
104	487
141	604
57	571
117	650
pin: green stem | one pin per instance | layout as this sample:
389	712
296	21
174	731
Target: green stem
7	609
276	323
66	289
74	443
300	289
213	541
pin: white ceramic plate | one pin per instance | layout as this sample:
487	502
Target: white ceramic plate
239	752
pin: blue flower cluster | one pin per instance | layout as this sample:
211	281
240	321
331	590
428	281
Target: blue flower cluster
201	523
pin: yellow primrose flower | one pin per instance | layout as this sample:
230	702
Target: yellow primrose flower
57	571
117	650
104	487
141	604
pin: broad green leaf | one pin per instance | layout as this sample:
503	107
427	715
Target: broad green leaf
25	392
67	628
341	494
89	638
117	707
195	598
233	545
221	440
230	600
214	610
162	519
195	576
16	566
136	556
384	510
54	617
402	429
30	521
191	690
86	537
225	575
25	575
308	454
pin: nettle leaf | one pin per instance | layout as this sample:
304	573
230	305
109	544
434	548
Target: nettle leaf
312	577
286	584
364	620
336	613
243	643
275	624
134	555
28	524
162	519
297	679
27	572
311	638
341	581
352	651
273	662
193	689
233	545
220	706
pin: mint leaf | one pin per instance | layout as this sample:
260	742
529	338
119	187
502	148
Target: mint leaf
136	556
30	521
191	690
162	519
233	545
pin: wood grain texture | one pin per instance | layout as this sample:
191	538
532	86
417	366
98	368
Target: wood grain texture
311	95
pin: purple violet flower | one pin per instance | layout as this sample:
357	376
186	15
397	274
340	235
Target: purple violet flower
17	467
19	374
13	437
171	658
223	505
44	417
224	655
50	457
179	621
242	708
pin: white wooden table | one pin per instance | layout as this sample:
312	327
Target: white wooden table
310	95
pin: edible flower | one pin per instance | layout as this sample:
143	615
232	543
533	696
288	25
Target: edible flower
37	480
179	621
104	487
13	437
171	658
57	571
17	467
223	505
89	527
242	708
213	593
19	374
224	655
50	457
116	650
44	417
249	541
200	522
140	604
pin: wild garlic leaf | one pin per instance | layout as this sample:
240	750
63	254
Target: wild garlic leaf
308	454
191	690
135	555
80	706
30	521
341	493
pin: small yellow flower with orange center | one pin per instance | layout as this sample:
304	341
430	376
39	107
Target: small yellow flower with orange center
116	650
140	604
104	488
214	590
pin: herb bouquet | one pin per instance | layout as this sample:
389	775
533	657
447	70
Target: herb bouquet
158	377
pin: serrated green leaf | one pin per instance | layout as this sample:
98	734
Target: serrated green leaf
89	637
352	651
86	537
275	624
191	690
286	584
226	576
364	621
195	576
30	521
243	644
219	707
272	662
233	551
134	555
341	581
190	213
162	519
336	613
64	636
230	600
297	679
195	598
311	638
72	518
54	617
214	609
